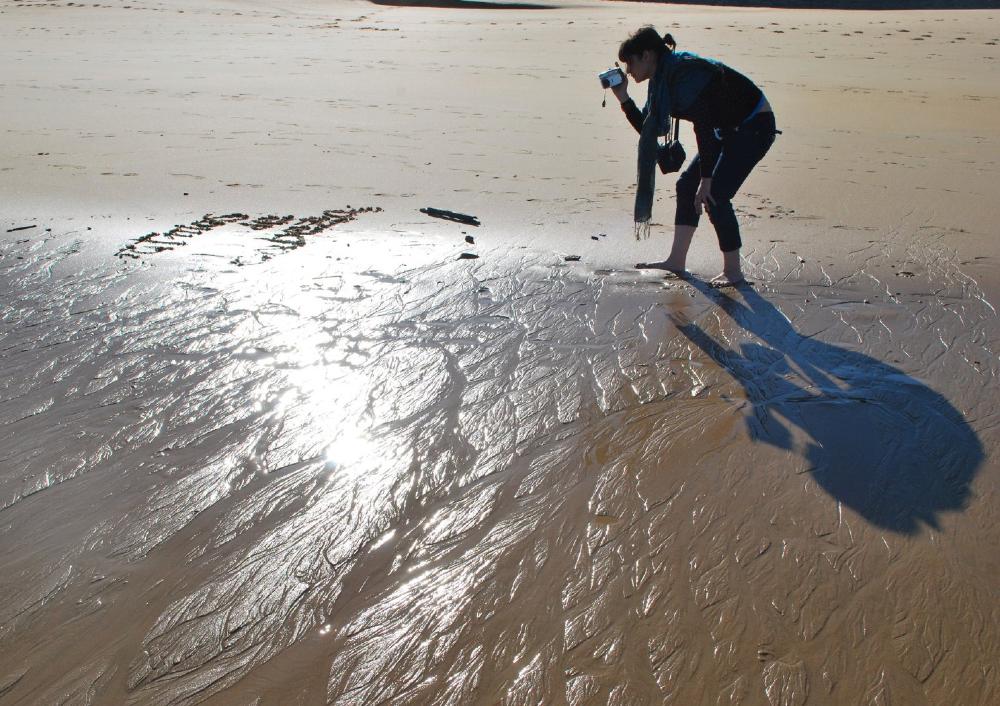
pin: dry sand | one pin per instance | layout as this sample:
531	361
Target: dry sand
266	436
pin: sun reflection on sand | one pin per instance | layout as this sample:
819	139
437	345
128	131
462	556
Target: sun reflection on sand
350	450
470	498
323	386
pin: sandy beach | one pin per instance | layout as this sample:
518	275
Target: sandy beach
272	434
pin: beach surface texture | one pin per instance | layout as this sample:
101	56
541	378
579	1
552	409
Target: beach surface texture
327	376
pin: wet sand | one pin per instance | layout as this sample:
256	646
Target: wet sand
270	434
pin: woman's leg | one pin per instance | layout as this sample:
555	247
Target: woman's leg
685	222
677	260
740	154
685	217
732	270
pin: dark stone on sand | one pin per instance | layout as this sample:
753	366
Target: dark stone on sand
469	239
468	256
572	258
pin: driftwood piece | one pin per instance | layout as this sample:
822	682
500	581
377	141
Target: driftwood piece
451	216
14	230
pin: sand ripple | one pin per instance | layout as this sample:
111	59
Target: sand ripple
506	480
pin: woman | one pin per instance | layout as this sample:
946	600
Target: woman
734	127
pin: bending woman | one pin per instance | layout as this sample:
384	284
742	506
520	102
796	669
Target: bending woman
734	127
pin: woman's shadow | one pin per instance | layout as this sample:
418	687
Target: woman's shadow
879	441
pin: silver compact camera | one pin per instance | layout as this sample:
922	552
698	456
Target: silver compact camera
611	77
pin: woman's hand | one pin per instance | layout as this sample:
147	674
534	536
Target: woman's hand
703	199
621	90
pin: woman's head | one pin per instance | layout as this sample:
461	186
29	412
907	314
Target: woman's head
641	52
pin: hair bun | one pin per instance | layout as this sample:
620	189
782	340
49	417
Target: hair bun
645	39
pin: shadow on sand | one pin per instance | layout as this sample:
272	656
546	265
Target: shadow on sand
881	442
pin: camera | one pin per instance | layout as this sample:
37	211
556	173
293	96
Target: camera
611	77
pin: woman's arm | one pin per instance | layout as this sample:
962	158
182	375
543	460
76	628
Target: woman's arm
633	113
709	148
631	110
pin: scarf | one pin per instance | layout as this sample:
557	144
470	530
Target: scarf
682	75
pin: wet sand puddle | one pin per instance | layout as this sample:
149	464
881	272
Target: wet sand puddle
497	481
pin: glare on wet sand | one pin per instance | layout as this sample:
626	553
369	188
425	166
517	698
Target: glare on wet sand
448	481
264	443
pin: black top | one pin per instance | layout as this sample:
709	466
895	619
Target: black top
727	100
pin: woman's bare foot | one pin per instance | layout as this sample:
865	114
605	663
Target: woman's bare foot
668	265
732	271
677	259
728	279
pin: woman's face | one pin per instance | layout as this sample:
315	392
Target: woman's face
641	66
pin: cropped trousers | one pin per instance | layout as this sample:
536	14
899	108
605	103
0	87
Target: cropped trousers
742	148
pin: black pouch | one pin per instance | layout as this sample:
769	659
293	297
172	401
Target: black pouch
671	156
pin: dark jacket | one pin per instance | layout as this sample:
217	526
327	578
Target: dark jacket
709	94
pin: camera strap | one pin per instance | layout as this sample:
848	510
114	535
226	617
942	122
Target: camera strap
675	133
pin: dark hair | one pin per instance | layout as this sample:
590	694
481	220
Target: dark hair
645	39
